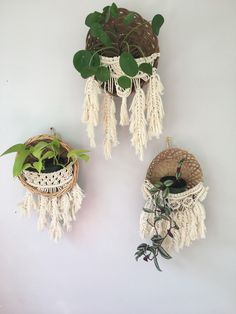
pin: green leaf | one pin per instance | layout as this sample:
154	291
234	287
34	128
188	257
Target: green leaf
81	59
156	263
96	29
157	22
105	39
107	13
138	255
154	190
84	157
129	18
167	210
87	72
165	192
128	64
14	149
102	74
164	253
92	18
26	166
19	162
38	149
147	210
124	82
142	246
48	155
158	184
74	154
95	60
168	183
114	10
38	165
146	68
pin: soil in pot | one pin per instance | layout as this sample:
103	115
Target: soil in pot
178	185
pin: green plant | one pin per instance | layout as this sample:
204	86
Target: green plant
161	211
87	63
35	156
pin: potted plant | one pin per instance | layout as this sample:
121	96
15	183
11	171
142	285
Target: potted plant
121	56
48	168
173	215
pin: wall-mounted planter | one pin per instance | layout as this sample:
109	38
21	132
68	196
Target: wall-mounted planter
48	168
172	218
121	57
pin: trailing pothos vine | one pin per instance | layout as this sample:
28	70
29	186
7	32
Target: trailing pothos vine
88	63
161	211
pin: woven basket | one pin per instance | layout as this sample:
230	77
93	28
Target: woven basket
63	180
142	36
165	164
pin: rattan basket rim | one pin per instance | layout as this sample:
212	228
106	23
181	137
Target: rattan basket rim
75	165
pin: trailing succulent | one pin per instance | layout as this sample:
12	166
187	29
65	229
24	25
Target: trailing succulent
36	157
87	62
161	211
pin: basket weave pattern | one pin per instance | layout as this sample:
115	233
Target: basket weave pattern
59	182
165	164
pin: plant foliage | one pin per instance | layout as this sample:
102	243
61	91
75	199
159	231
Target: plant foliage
39	153
160	210
87	63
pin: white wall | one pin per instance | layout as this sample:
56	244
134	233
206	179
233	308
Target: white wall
92	270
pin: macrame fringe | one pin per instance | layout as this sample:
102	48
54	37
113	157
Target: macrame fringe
155	111
189	216
56	213
124	115
138	120
91	108
142	128
109	125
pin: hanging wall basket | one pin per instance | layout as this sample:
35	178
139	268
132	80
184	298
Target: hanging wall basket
135	42
175	220
56	196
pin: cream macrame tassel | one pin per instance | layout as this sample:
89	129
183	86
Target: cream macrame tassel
65	211
55	229
43	208
138	121
124	116
27	205
109	124
91	107
77	197
155	112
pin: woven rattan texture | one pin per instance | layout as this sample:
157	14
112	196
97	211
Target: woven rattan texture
139	34
70	184
165	164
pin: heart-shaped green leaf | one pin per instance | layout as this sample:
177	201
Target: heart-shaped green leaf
87	72
38	165
14	149
96	29
128	64
128	19
124	82
81	59
157	22
105	39
114	10
146	68
19	162
92	18
102	74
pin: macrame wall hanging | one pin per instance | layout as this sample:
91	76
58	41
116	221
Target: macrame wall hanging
121	57
173	215
48	169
